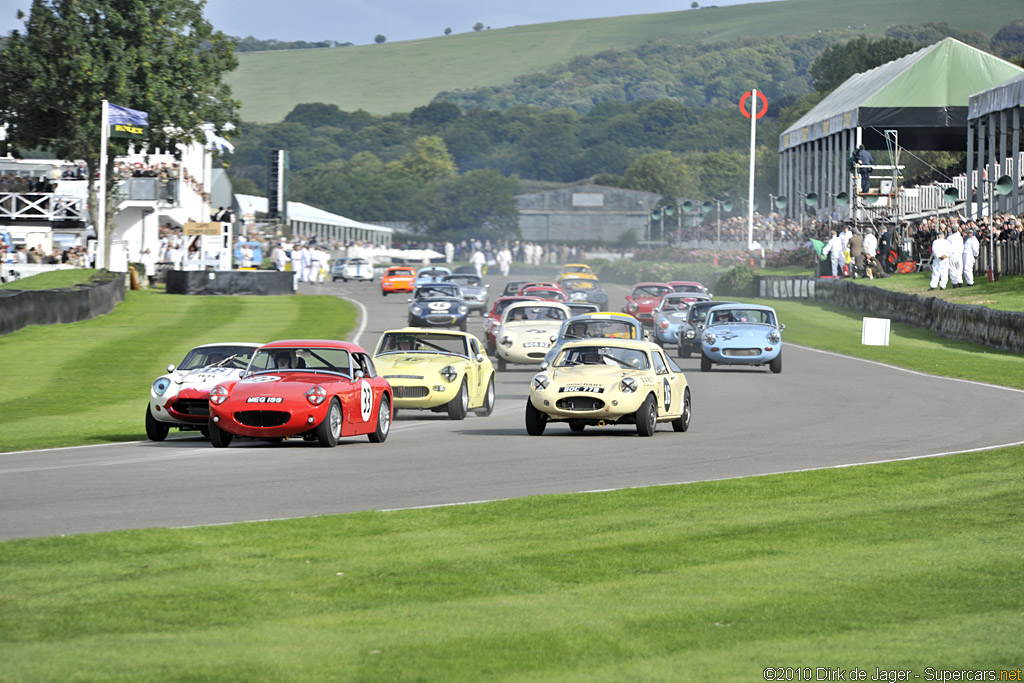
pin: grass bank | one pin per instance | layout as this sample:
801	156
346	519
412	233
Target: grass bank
906	565
88	382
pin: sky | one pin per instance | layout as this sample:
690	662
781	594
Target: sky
359	21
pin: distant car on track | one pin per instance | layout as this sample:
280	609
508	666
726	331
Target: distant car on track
438	304
526	330
397	279
742	334
474	291
645	296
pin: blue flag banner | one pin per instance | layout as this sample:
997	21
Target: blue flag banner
127	123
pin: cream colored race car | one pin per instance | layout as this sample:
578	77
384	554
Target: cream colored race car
525	332
437	370
599	382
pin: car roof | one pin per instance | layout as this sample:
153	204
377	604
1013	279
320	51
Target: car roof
636	344
575	265
648	284
428	330
539	302
254	345
607	315
314	343
748	307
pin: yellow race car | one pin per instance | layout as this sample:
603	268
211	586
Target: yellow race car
599	382
438	370
580	270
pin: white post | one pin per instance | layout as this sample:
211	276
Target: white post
750	188
101	217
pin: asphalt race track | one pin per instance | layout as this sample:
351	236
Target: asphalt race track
824	410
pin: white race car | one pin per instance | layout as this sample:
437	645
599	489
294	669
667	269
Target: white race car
357	269
181	398
526	330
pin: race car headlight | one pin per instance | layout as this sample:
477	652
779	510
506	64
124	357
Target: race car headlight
664	324
774	337
506	341
218	394
161	385
632	307
316	395
627	385
690	334
416	310
577	296
709	338
540	382
463	308
449	373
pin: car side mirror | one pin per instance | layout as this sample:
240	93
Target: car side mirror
408	301
479	358
359	374
544	365
487	286
553	338
781	327
170	368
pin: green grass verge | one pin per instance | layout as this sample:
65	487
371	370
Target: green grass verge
56	279
1005	294
88	382
397	77
905	565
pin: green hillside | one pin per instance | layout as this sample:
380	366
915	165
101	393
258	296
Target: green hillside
397	77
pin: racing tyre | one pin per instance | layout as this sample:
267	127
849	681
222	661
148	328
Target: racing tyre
535	420
380	434
705	363
647	417
218	437
491	349
576	425
383	293
776	364
683	353
329	430
488	399
155	429
502	365
464	325
459	406
682	423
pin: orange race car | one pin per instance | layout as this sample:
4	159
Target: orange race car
397	279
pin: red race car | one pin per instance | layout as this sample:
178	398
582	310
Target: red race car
644	299
318	389
546	292
699	291
397	279
493	319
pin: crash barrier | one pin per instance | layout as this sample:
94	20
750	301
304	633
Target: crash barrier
230	282
775	287
21	308
1002	330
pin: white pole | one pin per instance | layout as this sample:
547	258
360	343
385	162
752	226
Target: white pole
750	188
101	218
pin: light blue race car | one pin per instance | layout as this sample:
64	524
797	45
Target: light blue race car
669	314
742	334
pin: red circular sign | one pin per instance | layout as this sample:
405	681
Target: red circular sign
762	107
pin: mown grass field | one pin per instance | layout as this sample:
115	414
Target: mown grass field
88	382
903	565
398	77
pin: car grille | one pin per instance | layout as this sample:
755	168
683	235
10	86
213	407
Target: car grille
440	319
410	392
580	403
199	407
262	418
535	354
741	352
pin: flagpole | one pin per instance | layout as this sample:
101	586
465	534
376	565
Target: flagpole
750	187
101	219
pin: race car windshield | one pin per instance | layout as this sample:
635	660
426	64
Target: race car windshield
400	273
423	342
669	305
741	315
300	359
603	355
652	290
217	355
607	329
465	280
688	288
437	291
579	285
546	313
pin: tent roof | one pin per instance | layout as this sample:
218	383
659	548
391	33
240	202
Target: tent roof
297	211
1006	95
924	95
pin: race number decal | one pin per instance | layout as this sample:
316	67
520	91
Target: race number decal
668	395
365	399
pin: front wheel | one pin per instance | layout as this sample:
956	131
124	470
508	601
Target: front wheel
705	363
535	420
502	365
684	352
329	430
682	423
577	425
459	406
155	429
776	364
647	417
384	415
218	437
464	325
488	406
